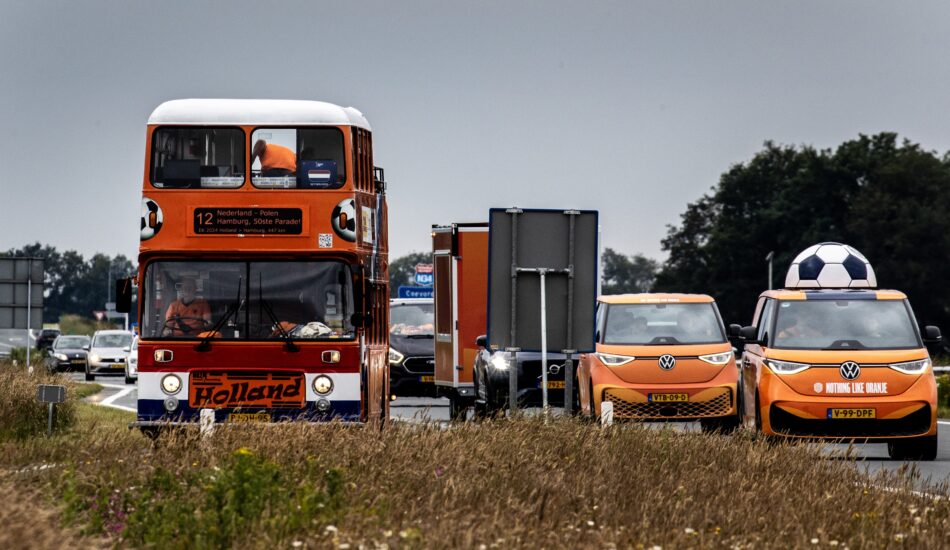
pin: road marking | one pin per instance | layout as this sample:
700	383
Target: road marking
943	422
109	401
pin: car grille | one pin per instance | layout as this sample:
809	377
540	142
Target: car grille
916	423
720	404
420	365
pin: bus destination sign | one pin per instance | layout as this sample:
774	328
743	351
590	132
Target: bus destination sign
248	221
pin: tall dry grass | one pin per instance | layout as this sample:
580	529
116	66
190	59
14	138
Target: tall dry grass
21	415
501	484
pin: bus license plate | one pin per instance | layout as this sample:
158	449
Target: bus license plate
427	378
668	397
851	414
248	418
555	384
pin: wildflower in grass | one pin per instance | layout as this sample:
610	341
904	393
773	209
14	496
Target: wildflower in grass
690	531
243	451
833	543
590	523
297	543
815	541
899	537
439	471
330	530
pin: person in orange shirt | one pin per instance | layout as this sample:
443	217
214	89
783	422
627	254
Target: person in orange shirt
187	315
276	160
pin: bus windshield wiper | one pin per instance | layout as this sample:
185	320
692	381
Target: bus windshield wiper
288	339
235	307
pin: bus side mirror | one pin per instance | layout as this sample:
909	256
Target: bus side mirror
123	295
734	335
482	341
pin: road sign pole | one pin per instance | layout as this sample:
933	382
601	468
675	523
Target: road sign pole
49	425
513	367
29	321
544	344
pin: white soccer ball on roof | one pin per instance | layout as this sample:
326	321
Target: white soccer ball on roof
830	265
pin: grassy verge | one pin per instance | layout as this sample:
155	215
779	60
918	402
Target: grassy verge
522	483
82	391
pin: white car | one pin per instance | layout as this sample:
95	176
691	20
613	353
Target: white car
132	363
107	352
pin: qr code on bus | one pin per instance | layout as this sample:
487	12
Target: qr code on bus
325	240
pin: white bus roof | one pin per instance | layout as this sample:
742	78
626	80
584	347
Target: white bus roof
255	112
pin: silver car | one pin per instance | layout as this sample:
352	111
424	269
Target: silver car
132	363
107	352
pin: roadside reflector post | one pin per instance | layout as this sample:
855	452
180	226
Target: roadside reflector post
606	413
569	381
513	382
51	394
206	422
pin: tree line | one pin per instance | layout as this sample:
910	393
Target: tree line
73	284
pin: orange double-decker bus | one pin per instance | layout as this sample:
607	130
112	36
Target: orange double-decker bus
262	284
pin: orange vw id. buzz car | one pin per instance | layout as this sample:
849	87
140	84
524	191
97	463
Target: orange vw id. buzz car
661	357
841	364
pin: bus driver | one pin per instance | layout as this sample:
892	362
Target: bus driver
187	315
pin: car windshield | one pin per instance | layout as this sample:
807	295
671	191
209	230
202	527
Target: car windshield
412	320
232	300
659	324
844	324
114	340
71	342
302	158
197	157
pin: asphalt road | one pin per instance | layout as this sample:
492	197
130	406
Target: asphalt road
871	457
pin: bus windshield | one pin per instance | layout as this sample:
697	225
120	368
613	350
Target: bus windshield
235	300
844	324
193	157
661	324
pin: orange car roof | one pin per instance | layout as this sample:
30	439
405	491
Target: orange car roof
835	294
656	298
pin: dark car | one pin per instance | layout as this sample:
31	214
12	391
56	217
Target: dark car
46	338
68	352
492	371
412	347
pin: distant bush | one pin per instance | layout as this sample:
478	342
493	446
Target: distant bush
18	357
21	415
74	324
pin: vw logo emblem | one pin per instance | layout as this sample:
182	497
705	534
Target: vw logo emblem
667	362
850	370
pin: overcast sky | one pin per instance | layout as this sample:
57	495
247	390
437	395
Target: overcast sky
631	108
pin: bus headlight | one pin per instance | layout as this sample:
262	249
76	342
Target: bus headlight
323	384
717	358
171	384
612	360
911	367
786	367
395	357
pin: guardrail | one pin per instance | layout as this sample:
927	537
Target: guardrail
942	370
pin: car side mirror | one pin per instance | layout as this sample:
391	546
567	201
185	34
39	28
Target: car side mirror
86	347
734	335
482	341
933	339
735	331
749	335
127	348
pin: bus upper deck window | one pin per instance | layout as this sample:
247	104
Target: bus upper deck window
197	157
297	158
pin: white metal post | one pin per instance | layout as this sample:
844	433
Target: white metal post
29	312
544	345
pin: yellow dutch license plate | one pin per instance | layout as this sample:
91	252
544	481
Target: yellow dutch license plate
555	384
668	397
851	414
427	378
248	418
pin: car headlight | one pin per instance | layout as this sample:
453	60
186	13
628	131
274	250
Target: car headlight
717	358
61	356
94	358
786	367
612	360
171	384
500	363
323	384
395	357
912	367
